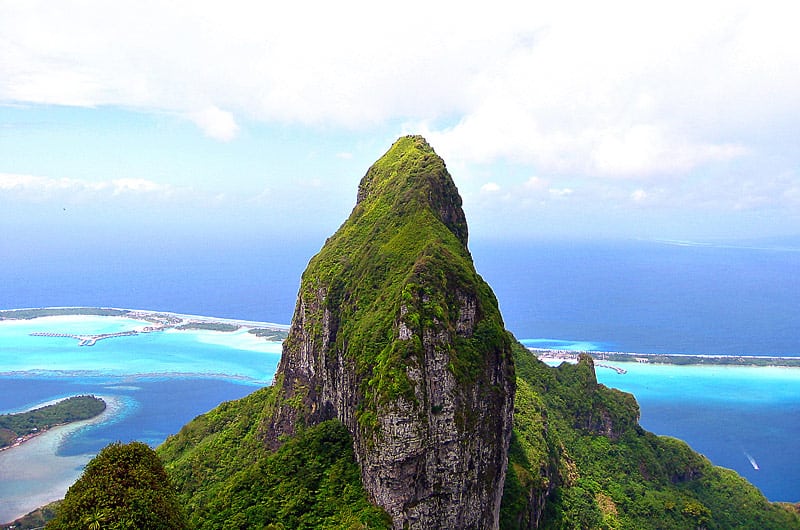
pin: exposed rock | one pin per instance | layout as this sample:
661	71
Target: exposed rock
396	335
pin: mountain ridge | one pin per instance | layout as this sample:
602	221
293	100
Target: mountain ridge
397	336
402	402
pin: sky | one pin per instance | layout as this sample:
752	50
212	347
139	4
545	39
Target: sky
165	121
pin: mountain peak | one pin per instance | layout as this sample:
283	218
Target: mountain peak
396	335
411	173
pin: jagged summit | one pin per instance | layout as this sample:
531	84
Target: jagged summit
397	388
411	172
396	335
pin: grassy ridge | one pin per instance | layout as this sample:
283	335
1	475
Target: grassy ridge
226	478
578	446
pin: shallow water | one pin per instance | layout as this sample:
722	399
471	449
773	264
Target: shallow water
729	414
160	381
154	383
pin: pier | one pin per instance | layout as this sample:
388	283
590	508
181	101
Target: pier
615	368
85	340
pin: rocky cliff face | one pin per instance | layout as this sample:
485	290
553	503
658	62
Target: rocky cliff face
396	335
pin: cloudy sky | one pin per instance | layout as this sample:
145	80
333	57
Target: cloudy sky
672	120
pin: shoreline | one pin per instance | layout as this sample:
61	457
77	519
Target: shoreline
168	318
151	322
20	441
38	458
177	322
676	359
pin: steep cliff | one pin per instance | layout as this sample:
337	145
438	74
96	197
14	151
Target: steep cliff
395	335
396	389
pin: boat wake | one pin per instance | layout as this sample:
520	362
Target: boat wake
752	461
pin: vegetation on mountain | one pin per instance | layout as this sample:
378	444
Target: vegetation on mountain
227	478
404	245
579	459
397	336
392	294
34	520
76	408
123	488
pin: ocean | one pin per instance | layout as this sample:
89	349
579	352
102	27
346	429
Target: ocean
633	296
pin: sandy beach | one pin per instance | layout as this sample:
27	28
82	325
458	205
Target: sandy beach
40	475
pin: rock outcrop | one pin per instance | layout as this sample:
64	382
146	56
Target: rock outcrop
396	335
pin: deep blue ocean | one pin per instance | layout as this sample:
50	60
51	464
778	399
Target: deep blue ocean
634	296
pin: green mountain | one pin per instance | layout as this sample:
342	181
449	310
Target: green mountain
401	402
395	335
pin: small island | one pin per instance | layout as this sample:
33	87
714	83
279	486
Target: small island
16	429
600	357
157	321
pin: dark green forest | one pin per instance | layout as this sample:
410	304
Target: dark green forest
76	408
123	488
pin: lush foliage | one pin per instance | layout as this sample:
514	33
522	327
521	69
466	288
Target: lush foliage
75	408
401	255
123	487
227	479
209	326
580	458
26	314
269	334
577	459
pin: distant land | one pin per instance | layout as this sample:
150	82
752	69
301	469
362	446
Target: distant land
547	354
163	320
18	428
160	320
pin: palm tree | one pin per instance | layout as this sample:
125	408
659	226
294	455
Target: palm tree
95	519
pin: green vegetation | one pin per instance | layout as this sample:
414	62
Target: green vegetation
27	314
579	459
658	358
269	334
34	520
228	479
76	408
209	326
401	255
123	488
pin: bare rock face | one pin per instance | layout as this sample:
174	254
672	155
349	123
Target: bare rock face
397	336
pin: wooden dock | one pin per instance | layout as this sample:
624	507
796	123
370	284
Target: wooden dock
85	340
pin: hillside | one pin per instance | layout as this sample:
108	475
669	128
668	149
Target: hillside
392	406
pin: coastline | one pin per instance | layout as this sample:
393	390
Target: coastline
678	359
19	441
168	319
37	460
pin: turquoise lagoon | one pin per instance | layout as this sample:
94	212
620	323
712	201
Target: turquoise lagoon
741	418
154	383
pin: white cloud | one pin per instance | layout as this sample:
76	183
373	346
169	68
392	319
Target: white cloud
614	89
39	188
535	184
639	195
216	123
561	192
490	187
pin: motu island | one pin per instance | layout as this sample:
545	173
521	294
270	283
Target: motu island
402	402
16	429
